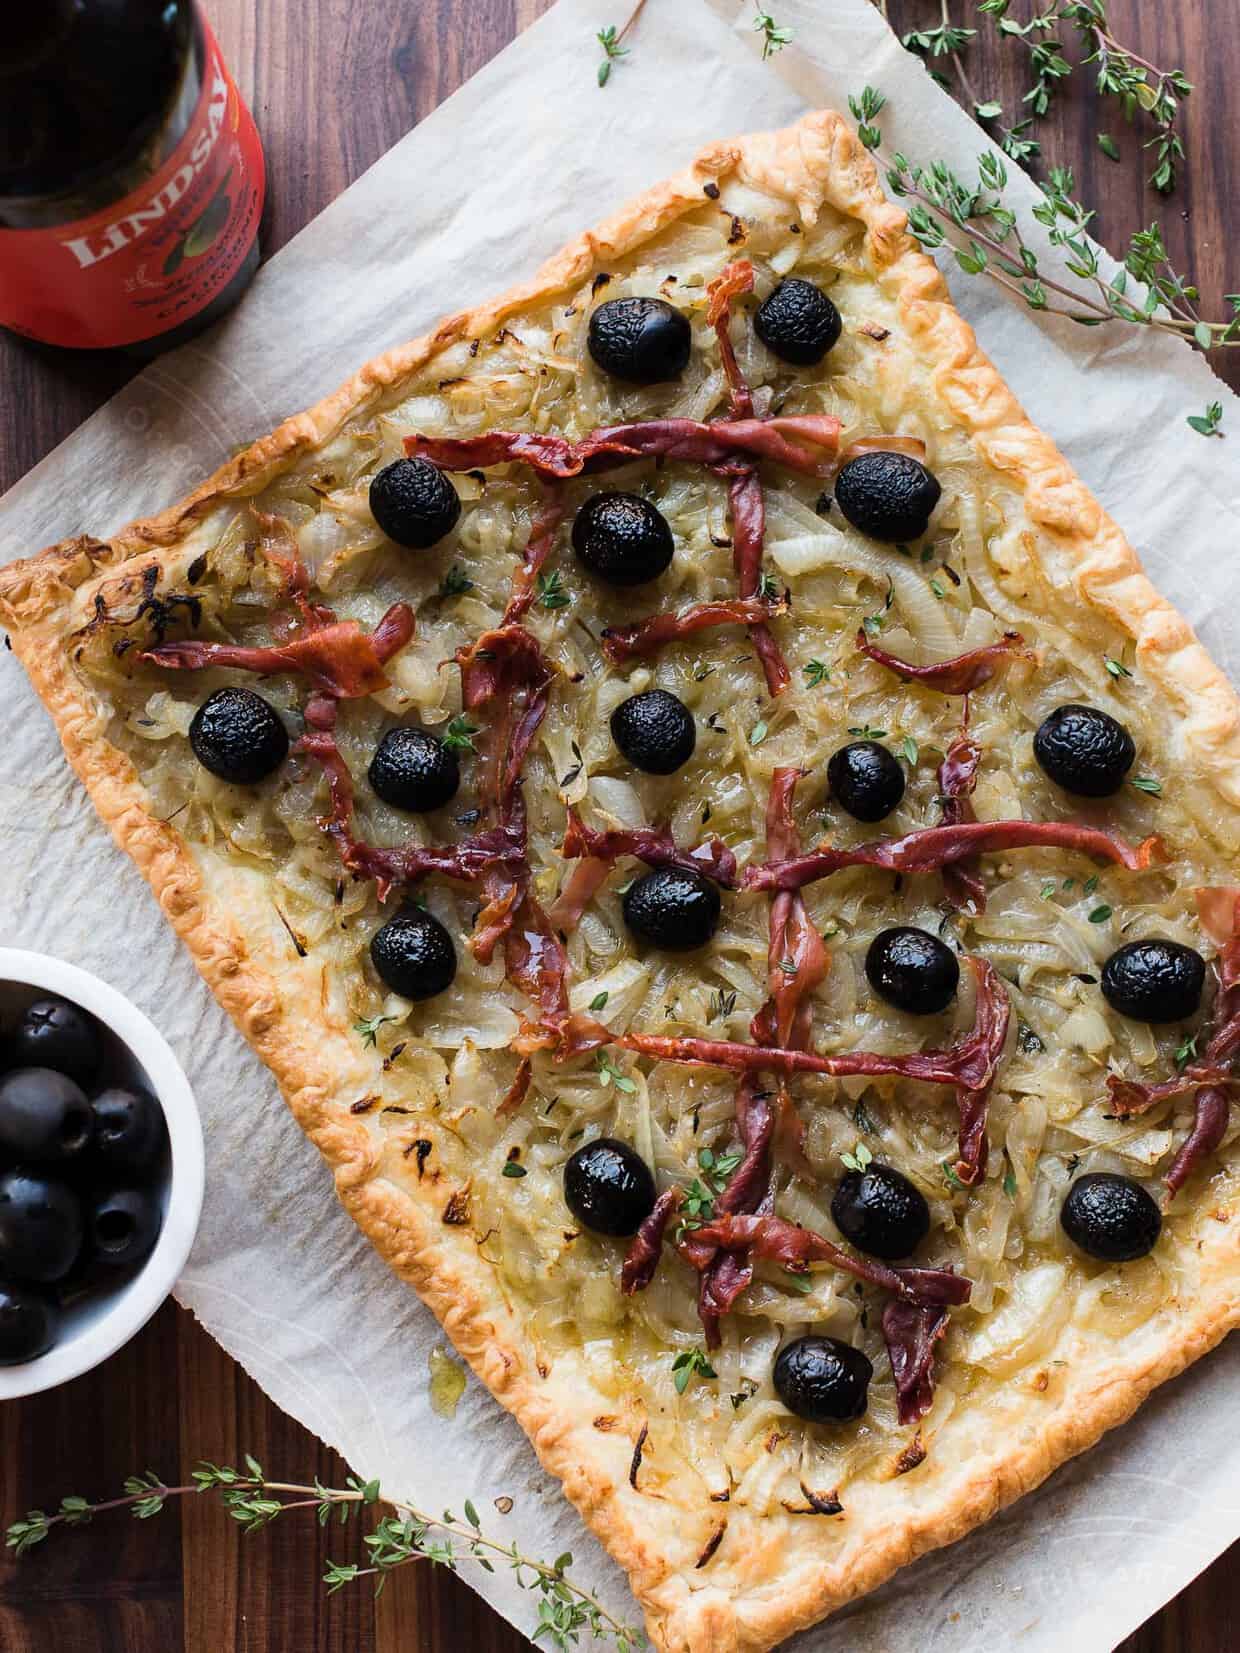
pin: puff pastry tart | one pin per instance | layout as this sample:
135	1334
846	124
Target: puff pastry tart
731	861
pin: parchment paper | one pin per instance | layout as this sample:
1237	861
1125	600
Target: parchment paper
517	161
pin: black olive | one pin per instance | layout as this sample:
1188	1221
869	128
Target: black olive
1154	981
237	735
414	503
881	1212
44	1116
52	1033
887	495
28	1324
123	1226
414	955
608	1187
40	1227
1084	750
129	1131
622	538
414	770
1111	1218
673	908
823	1380
798	322
912	970
865	779
643	340
655	731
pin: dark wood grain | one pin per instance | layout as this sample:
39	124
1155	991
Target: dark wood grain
333	85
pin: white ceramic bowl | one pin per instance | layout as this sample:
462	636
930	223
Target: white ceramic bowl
96	1326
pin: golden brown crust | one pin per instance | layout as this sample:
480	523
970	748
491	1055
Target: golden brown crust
769	1576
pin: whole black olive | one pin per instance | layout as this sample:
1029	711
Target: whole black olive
29	1323
1111	1217
414	503
414	955
238	736
643	340
865	779
889	496
912	970
130	1132
881	1212
414	770
1154	981
655	731
1085	751
40	1227
52	1033
798	322
123	1226
823	1380
673	908
44	1116
608	1187
622	538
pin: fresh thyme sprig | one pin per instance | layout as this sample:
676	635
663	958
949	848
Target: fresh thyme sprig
1120	73
973	219
566	1610
774	38
609	39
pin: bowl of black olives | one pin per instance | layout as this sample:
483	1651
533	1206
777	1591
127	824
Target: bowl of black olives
101	1171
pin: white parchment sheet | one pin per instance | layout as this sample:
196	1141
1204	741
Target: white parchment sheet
524	156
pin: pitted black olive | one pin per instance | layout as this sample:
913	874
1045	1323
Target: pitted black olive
643	340
52	1033
865	779
673	908
414	770
655	731
44	1116
1085	751
889	496
823	1380
414	503
622	538
40	1227
130	1132
28	1324
123	1226
1111	1217
912	970
881	1212
798	322
238	736
414	955
1154	981
608	1187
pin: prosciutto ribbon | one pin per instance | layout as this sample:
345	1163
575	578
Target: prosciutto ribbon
806	443
1211	1074
796	957
645	637
642	1258
597	852
935	847
910	1331
963	884
959	675
538	547
506	666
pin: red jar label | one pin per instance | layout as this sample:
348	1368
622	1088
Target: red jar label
152	260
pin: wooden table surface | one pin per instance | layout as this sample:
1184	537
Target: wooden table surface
334	84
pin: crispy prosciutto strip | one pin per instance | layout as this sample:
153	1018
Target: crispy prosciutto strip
748	539
910	1331
597	852
959	675
622	643
804	442
963	883
724	1272
796	957
507	666
539	546
339	658
732	281
642	1258
1211	1074
934	847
